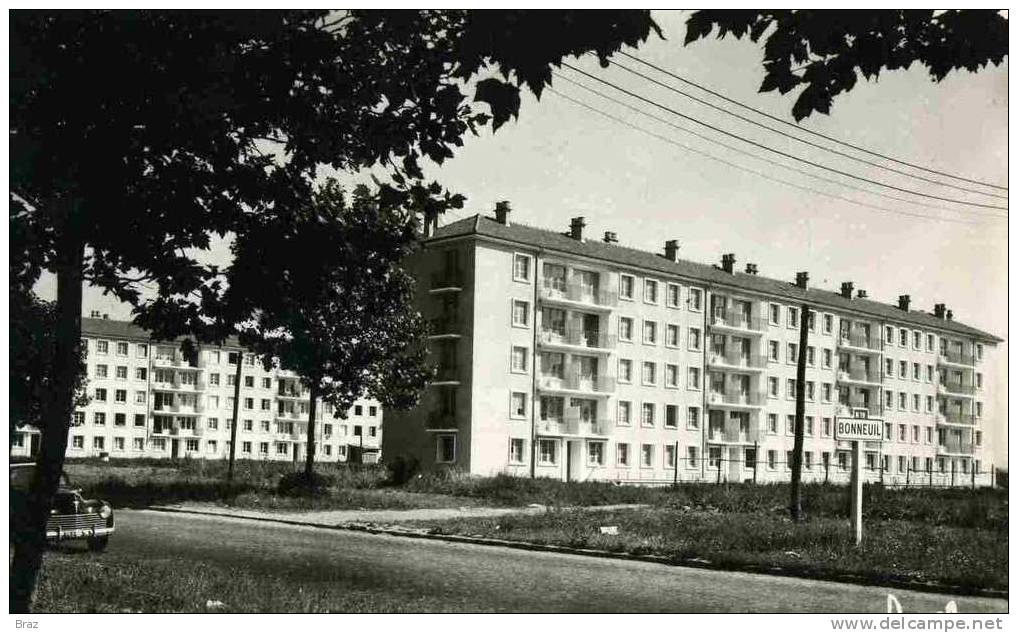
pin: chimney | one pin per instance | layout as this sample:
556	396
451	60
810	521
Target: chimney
903	301
846	289
950	315
939	309
861	294
671	250
802	279
728	262
576	228
502	210
751	269
610	237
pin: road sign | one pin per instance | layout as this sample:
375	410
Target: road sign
856	429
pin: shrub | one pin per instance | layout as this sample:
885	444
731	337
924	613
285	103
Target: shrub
401	469
300	484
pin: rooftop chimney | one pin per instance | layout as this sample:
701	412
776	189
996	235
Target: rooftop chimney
950	315
860	294
751	269
939	309
610	237
802	279
846	289
728	262
502	210
671	250
576	228
903	301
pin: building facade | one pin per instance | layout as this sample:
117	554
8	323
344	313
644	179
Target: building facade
582	359
146	400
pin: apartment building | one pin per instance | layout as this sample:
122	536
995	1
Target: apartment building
578	359
147	400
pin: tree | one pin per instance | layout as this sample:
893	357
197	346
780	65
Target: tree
321	291
823	52
137	135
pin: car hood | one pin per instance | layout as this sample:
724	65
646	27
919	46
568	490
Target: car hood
67	501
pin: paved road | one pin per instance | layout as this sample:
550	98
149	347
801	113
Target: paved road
483	578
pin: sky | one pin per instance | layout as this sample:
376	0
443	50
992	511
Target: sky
559	160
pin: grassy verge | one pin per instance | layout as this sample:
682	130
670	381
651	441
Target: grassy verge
72	582
892	550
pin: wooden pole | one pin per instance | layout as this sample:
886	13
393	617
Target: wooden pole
719	469
973	469
756	460
856	488
954	470
236	414
795	504
827	472
675	475
908	471
929	474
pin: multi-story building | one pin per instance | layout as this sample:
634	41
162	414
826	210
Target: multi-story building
582	359
147	400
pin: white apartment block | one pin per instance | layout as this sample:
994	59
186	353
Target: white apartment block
146	400
582	359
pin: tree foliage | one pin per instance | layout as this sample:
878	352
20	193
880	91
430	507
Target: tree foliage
823	52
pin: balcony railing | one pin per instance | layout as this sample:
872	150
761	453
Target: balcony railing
957	388
574	382
447	279
579	337
445	325
737	320
578	293
954	417
846	406
736	397
736	359
732	434
440	421
859	340
956	357
956	448
186	409
858	374
575	424
177	385
285	392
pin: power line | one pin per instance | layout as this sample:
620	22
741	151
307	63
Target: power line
753	171
809	131
920	204
803	141
776	151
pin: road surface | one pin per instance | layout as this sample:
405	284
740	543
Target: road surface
485	578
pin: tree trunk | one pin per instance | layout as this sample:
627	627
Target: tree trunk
30	536
236	412
309	458
795	505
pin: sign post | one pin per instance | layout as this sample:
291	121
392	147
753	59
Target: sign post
858	429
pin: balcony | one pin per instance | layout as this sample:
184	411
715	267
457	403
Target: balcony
574	294
292	393
860	375
956	357
446	326
578	337
952	388
574	383
732	433
179	431
860	342
176	361
447	281
441	421
954	448
176	385
736	360
179	409
446	375
846	407
956	418
736	398
736	321
574	425
290	415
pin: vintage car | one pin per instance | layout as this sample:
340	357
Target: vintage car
72	518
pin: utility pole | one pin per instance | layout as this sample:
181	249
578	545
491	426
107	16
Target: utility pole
756	459
795	505
236	413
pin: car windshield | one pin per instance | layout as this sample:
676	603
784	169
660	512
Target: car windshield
21	478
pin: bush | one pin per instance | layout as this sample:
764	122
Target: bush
300	484
401	469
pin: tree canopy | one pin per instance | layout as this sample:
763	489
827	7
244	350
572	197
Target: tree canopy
823	52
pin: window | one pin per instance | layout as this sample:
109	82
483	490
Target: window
828	324
793	317
671	375
248	425
140	373
521	270
521	313
827	358
647	456
519	360
671	416
100	394
915	433
888	334
647	414
915	402
122	349
692	455
266	404
902	430
266	426
672	335
775	314
903	369
826	429
248	404
121	372
772	423
214	380
903	337
102	347
792	353
120	396
693	378
889	367
101	371
979	409
902	401
625	328
649	291
772	387
518	405
626	283
672	296
929	404
979	380
546	452
772	460
888	430
248	382
811	356
810	390
694	339
358	409
625	370
445	447
693	418
282	448
916	375
789	425
139	419
78	441
266	383
141	350
625	412
773	350
263	448
99	443
917	340
669	455
119	419
929	343
694	299
826	389
212	423
650	332
649	373
515	450
790	388
595	453
622	454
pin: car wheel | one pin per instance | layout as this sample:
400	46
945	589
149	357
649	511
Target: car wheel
98	543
